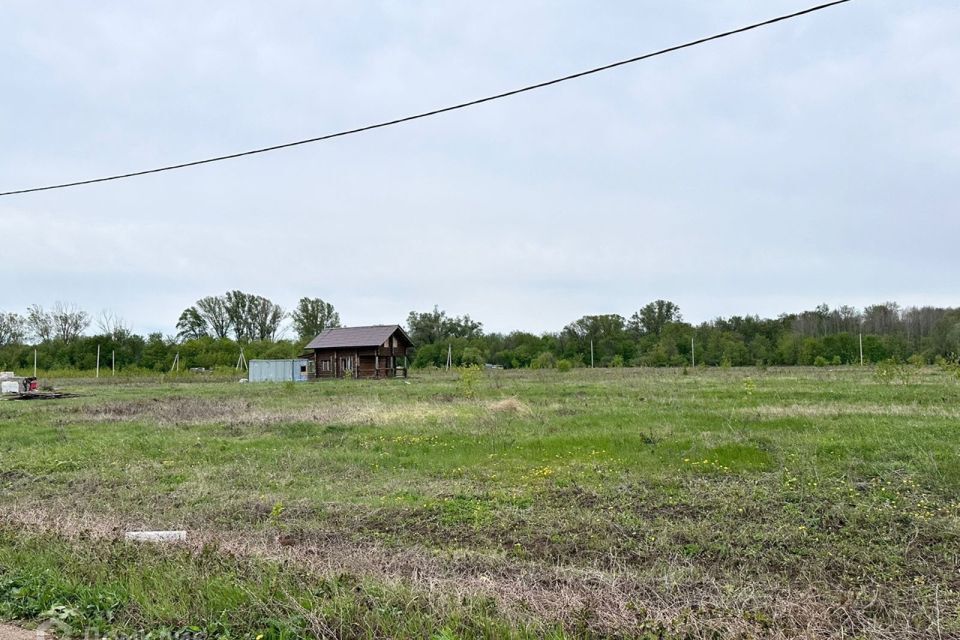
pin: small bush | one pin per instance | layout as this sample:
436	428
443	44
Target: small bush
545	360
617	361
820	361
564	365
276	517
949	365
468	380
472	355
885	371
890	371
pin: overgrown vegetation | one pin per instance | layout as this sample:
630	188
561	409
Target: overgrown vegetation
593	503
83	590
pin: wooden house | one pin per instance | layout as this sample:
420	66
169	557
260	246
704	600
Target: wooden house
360	352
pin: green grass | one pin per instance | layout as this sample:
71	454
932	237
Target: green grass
589	503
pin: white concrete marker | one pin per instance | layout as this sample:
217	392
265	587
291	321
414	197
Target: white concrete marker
157	536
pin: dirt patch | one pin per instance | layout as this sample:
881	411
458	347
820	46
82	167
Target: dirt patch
10	632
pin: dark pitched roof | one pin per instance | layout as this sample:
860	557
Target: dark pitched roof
356	336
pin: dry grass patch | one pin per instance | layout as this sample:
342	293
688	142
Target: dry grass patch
510	406
676	597
839	410
197	411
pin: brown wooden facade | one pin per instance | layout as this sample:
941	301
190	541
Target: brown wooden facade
360	352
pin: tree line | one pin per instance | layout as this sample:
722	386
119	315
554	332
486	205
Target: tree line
656	335
211	332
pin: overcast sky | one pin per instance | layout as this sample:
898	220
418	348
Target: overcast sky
813	161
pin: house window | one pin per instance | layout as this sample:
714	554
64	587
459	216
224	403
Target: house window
324	365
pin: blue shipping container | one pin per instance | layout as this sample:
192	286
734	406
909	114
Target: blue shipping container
278	370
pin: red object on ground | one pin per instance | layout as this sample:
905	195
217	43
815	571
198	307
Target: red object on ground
34	385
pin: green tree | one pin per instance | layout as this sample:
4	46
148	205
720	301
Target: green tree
472	356
545	360
265	318
39	323
191	325
607	333
12	329
312	316
653	317
237	304
252	317
213	310
434	326
155	352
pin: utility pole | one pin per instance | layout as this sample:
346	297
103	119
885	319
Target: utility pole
449	356
113	363
861	348
34	362
98	361
693	353
591	354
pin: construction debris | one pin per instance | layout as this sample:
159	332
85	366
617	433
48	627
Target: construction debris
14	387
40	395
11	384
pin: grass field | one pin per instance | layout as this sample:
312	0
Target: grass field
594	503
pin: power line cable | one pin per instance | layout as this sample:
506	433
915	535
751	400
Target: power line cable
434	112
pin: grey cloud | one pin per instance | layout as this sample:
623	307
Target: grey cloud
815	161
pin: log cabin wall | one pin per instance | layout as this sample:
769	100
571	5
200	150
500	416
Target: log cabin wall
378	359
